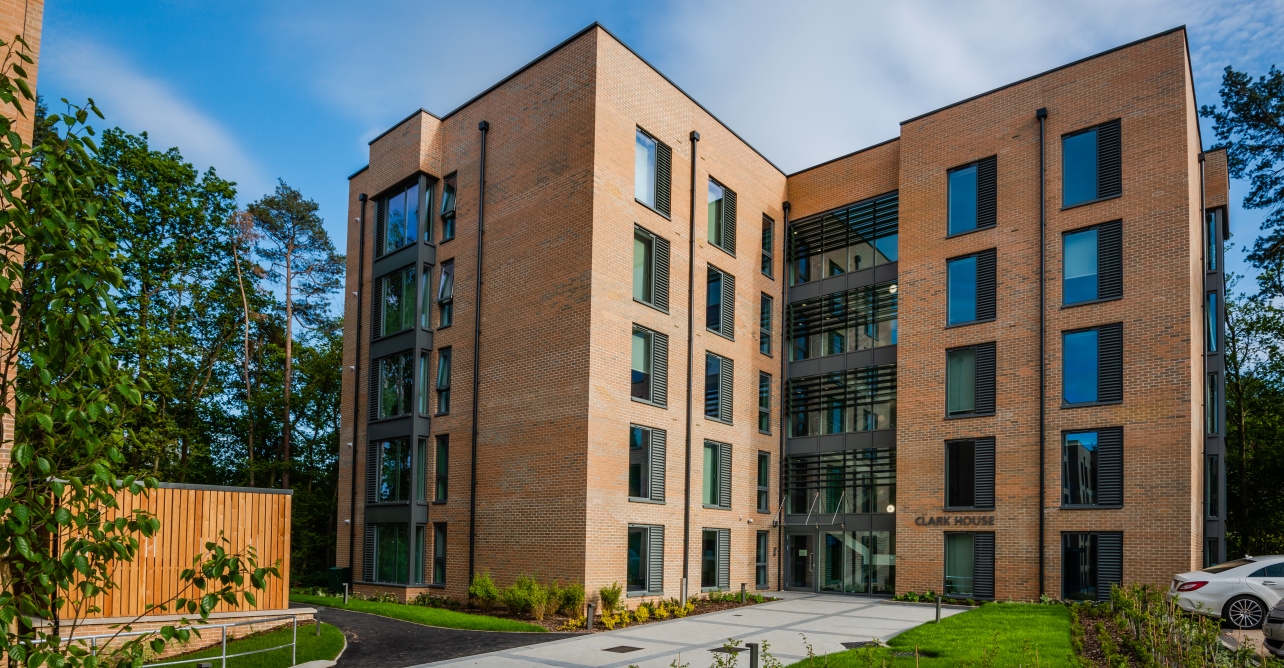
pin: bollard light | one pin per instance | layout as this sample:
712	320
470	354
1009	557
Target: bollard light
742	593
588	621
753	654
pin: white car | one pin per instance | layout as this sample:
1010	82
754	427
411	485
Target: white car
1273	630
1239	591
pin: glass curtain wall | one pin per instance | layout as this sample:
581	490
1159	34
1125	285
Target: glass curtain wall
850	239
851	481
846	322
843	402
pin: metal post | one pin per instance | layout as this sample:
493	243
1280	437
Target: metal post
294	645
224	661
742	593
588	621
345	593
684	591
753	654
93	646
317	621
938	609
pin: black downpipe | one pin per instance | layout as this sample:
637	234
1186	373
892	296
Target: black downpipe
784	381
356	388
1042	115
686	489
484	127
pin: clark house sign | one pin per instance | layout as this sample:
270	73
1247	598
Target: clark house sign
956	521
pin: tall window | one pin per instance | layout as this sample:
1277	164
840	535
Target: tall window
961	288
764	482
960	474
652	170
1212	405
637	569
417	565
720	303
645	569
650	366
421	470
1212	486
1092	467
972	196
396	384
717	475
764	402
448	208
391	553
400	218
425	378
443	381
1091	164
394	471
441	466
859	236
960	380
1211	236
1091	563
760	560
425	298
397	301
446	294
1080	267
765	306
851	481
958	564
768	243
717	388
643	267
1092	365
1211	329
439	553
639	462
861	399
722	217
715	549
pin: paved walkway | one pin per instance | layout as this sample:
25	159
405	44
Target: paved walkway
826	620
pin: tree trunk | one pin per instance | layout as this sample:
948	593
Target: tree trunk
245	367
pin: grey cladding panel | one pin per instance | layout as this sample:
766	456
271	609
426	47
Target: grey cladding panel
983	565
983	473
659	442
1110	466
663	177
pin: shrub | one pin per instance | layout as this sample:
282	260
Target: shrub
526	597
610	597
430	601
571	602
482	592
643	613
661	611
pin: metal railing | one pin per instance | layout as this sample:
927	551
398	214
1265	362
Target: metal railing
223	656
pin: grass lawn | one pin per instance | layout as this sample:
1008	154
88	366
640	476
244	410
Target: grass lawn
421	615
963	638
311	648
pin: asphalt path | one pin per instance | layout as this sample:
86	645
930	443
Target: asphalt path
381	642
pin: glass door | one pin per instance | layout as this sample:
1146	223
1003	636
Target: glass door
802	561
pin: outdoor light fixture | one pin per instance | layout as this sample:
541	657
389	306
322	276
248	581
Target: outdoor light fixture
891	508
891	289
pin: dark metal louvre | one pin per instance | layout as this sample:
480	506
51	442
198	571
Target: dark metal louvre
372	471
724	475
983	472
661	287
368	554
841	470
663	177
983	565
843	389
1109	563
987	193
725	383
376	309
381	215
1110	362
1110	260
373	412
986	285
1109	160
1110	466
724	558
838	312
659	442
729	220
660	369
655	560
728	325
984	378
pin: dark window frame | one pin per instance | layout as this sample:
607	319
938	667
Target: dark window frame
764	476
1100	578
661	173
722	471
726	302
377	368
1109	263
653	471
445	302
1101	368
1108	483
985	307
980	393
441	474
768	247
766	308
728	220
764	402
439	543
1112	125
981	475
659	259
658	375
987	171
381	314
762	555
447	215
443	391
724	412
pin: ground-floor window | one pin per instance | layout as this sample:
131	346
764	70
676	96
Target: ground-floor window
715	554
391	553
439	554
855	562
1090	564
760	560
645	570
969	565
1212	552
417	554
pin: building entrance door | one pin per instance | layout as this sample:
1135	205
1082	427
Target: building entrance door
802	561
843	562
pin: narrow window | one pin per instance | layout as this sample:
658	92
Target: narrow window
1080	268
764	482
442	467
1211	236
715	231
1212	551
1212	486
712	473
713	301
391	553
443	381
960	377
644	168
760	560
959	564
636	580
1080	364
1091	164
448	208
394	471
643	267
421	471
764	403
425	298
961	289
1211	328
962	214
1212	405
401	219
639	461
768	242
714	558
717	388
960	474
417	556
1079	567
446	294
425	375
439	553
398	301
1079	469
765	306
643	363
396	385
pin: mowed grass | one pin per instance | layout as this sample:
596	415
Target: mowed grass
311	648
421	615
1021	628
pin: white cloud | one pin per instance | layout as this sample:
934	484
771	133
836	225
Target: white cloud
136	102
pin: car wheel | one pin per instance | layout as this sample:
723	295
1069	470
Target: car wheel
1245	612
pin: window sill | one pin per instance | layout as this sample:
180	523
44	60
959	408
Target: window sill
715	507
714	419
966	509
764	433
719	333
763	511
389	336
437	503
388	503
955	235
761	587
436	585
653	209
647	402
643	499
970	322
1092	301
1090	404
770	277
1091	507
1067	207
962	416
446	240
728	252
441	414
643	592
639	301
441	327
389	418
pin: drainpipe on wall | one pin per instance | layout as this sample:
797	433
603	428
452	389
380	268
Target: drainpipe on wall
1042	115
484	127
356	389
686	489
784	377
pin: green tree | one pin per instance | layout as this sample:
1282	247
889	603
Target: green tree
304	260
69	399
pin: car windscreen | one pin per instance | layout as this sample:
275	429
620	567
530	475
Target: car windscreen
1222	568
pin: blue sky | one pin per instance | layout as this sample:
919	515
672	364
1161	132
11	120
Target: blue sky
295	89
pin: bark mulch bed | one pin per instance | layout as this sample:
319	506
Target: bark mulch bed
558	622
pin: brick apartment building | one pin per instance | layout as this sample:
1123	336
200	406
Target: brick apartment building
691	369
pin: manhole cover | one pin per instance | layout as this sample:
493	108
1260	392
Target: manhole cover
862	643
622	649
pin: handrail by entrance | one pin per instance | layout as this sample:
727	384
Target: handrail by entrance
223	655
